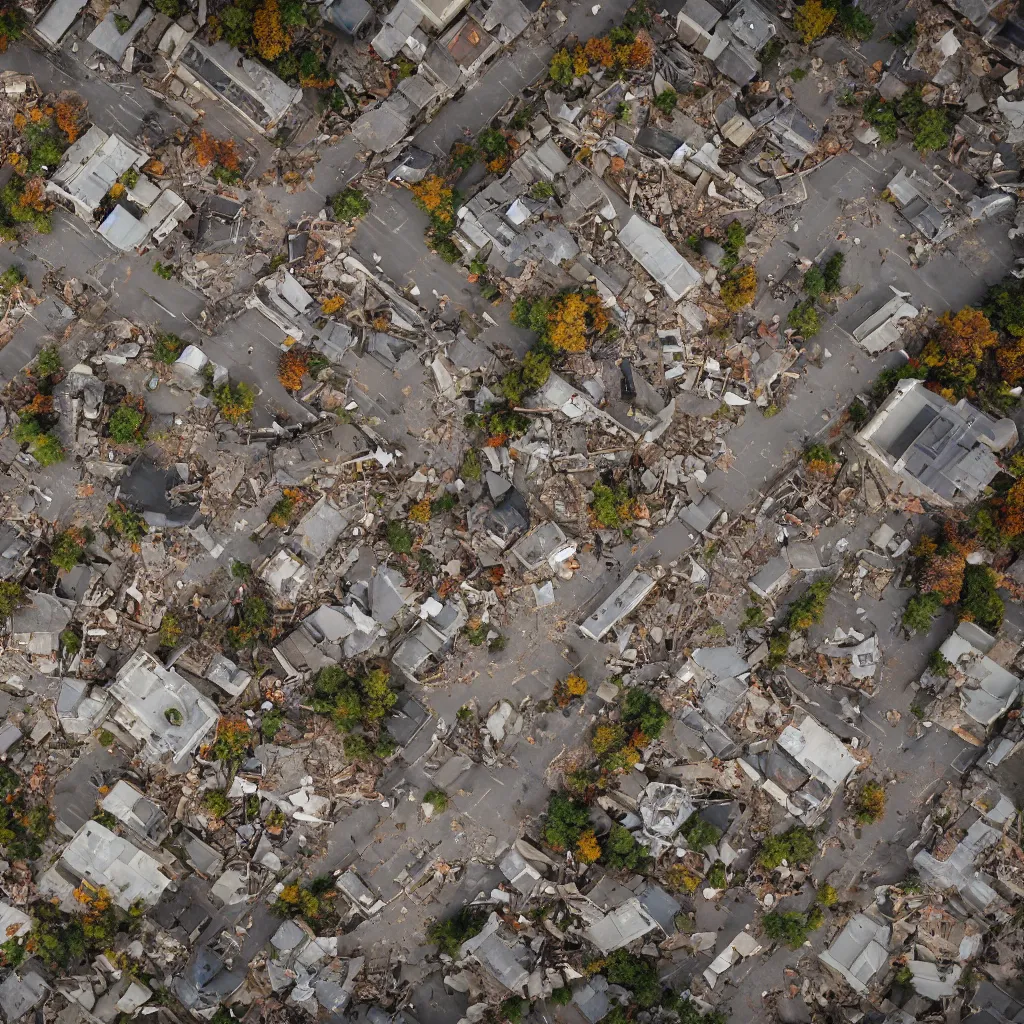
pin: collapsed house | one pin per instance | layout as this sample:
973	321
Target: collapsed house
941	452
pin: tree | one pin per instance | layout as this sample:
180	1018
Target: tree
882	117
791	926
292	367
48	362
438	800
536	369
979	601
739	289
699	833
666	101
637	974
833	272
812	20
272	38
931	131
869	803
561	68
350	204
966	334
566	821
795	846
12	23
803	318
814	282
378	697
47	450
1004	306
11	598
587	847
943	576
643	713
234	401
920	612
449	935
167	347
621	850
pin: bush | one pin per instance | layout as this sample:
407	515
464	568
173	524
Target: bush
717	878
857	414
803	318
979	601
796	846
70	642
271	724
566	821
47	450
349	205
920	612
856	24
833	272
513	1008
814	282
164	270
471	469
561	68
449	935
11	598
536	369
643	713
882	117
610	505
170	631
869	803
562	996
827	896
937	663
931	131
174	716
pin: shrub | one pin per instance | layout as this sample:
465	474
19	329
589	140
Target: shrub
739	289
471	469
126	423
643	713
680	878
121	521
809	608
827	896
857	414
170	630
920	612
234	401
666	101
869	803
717	878
399	538
882	117
561	69
798	74
70	642
11	598
856	24
812	20
271	724
217	803
541	190
47	450
68	549
449	935
833	272
513	1008
795	846
814	282
167	347
164	270
565	822
48	362
931	131
587	847
937	663
803	318
350	204
562	996
979	601
791	927
174	716
610	506
635	973
778	648
536	369
438	799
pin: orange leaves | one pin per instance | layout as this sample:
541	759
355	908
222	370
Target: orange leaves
68	114
332	304
432	197
292	367
209	150
33	196
587	847
599	50
640	53
966	334
272	38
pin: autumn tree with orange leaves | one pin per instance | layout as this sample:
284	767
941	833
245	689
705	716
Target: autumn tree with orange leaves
272	38
292	367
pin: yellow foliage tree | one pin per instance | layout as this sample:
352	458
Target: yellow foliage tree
576	685
291	368
812	20
739	289
587	847
420	512
272	38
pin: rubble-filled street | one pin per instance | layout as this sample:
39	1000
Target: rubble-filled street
512	511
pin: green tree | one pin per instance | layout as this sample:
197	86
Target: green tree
449	935
666	101
1004	306
803	318
635	973
882	117
378	697
621	850
795	846
11	598
68	549
643	713
121	521
47	450
565	823
126	424
979	601
921	611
